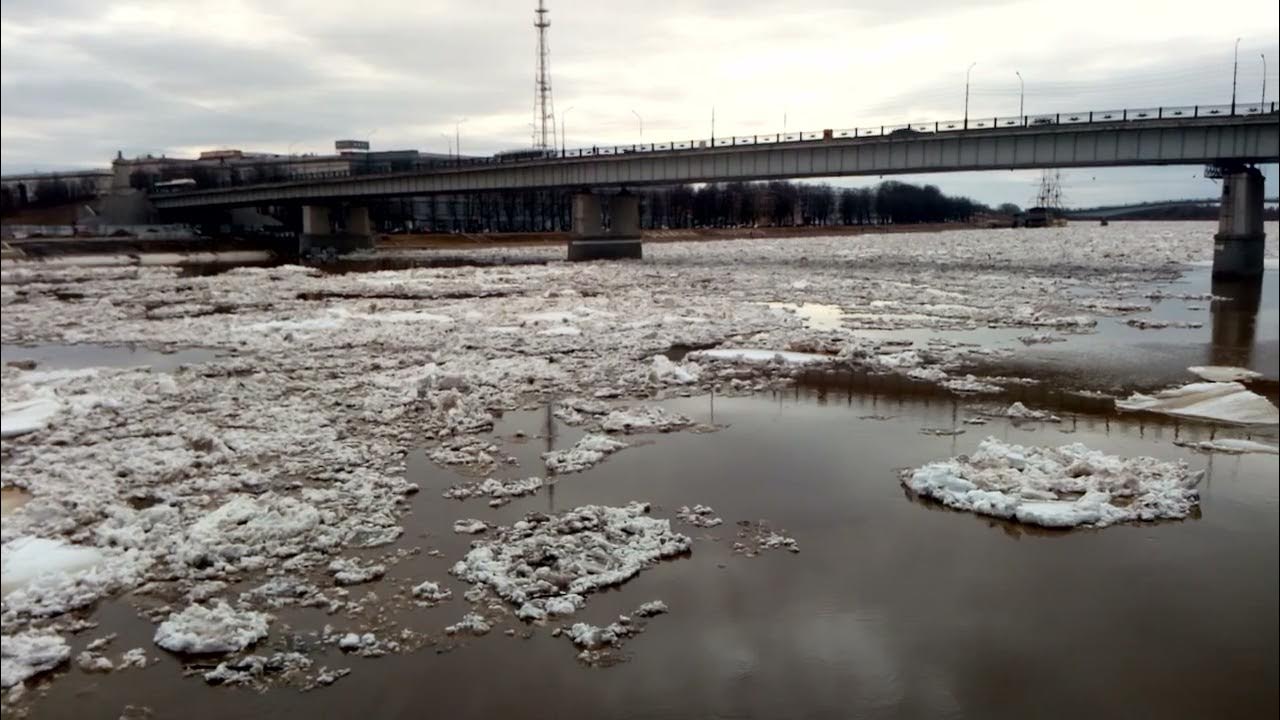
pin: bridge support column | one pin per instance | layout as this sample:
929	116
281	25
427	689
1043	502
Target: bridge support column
358	222
589	241
319	239
1238	247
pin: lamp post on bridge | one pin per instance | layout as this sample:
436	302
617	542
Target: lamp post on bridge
1022	91
641	121
1235	66
966	93
1263	100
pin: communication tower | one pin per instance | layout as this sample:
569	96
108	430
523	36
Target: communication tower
544	109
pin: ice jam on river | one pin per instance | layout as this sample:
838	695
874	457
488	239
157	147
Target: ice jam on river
272	475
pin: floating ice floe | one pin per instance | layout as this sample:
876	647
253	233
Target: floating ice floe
472	623
1058	487
464	451
470	526
27	416
539	609
28	653
217	628
698	516
602	645
354	571
588	451
1147	324
545	564
254	669
1223	373
1228	402
1018	411
27	558
653	418
756	537
663	370
1040	338
755	355
1230	446
927	374
499	492
651	608
941	432
970	385
431	592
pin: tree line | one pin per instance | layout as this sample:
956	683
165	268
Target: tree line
715	205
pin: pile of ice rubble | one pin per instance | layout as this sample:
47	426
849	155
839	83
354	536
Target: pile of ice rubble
263	466
1059	487
544	565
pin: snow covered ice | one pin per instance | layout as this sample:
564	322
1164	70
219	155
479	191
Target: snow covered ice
586	452
494	489
1058	487
698	516
26	558
651	418
1223	373
1018	411
1228	402
469	526
25	654
20	418
544	560
217	628
1231	446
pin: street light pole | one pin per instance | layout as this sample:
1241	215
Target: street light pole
966	93
1235	66
448	141
1262	102
633	112
1022	91
457	140
564	143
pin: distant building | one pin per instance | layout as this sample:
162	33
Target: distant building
229	167
31	189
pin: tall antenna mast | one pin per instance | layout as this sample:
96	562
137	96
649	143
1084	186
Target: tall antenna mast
544	109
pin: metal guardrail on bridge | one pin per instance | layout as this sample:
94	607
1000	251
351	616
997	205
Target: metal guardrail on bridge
910	130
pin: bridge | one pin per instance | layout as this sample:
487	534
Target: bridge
1228	139
1123	211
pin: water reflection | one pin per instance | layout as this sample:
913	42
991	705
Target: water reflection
1234	313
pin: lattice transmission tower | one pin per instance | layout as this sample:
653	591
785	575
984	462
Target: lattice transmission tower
544	108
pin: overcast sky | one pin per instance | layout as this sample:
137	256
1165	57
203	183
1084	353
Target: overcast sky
81	79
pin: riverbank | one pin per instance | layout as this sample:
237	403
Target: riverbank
471	240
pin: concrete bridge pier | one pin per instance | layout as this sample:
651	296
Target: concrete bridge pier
1238	246
318	236
590	241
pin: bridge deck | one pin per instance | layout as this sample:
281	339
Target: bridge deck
1163	141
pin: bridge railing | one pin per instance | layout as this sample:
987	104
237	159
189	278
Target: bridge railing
972	124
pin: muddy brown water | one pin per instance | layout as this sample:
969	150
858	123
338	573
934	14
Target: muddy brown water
893	608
